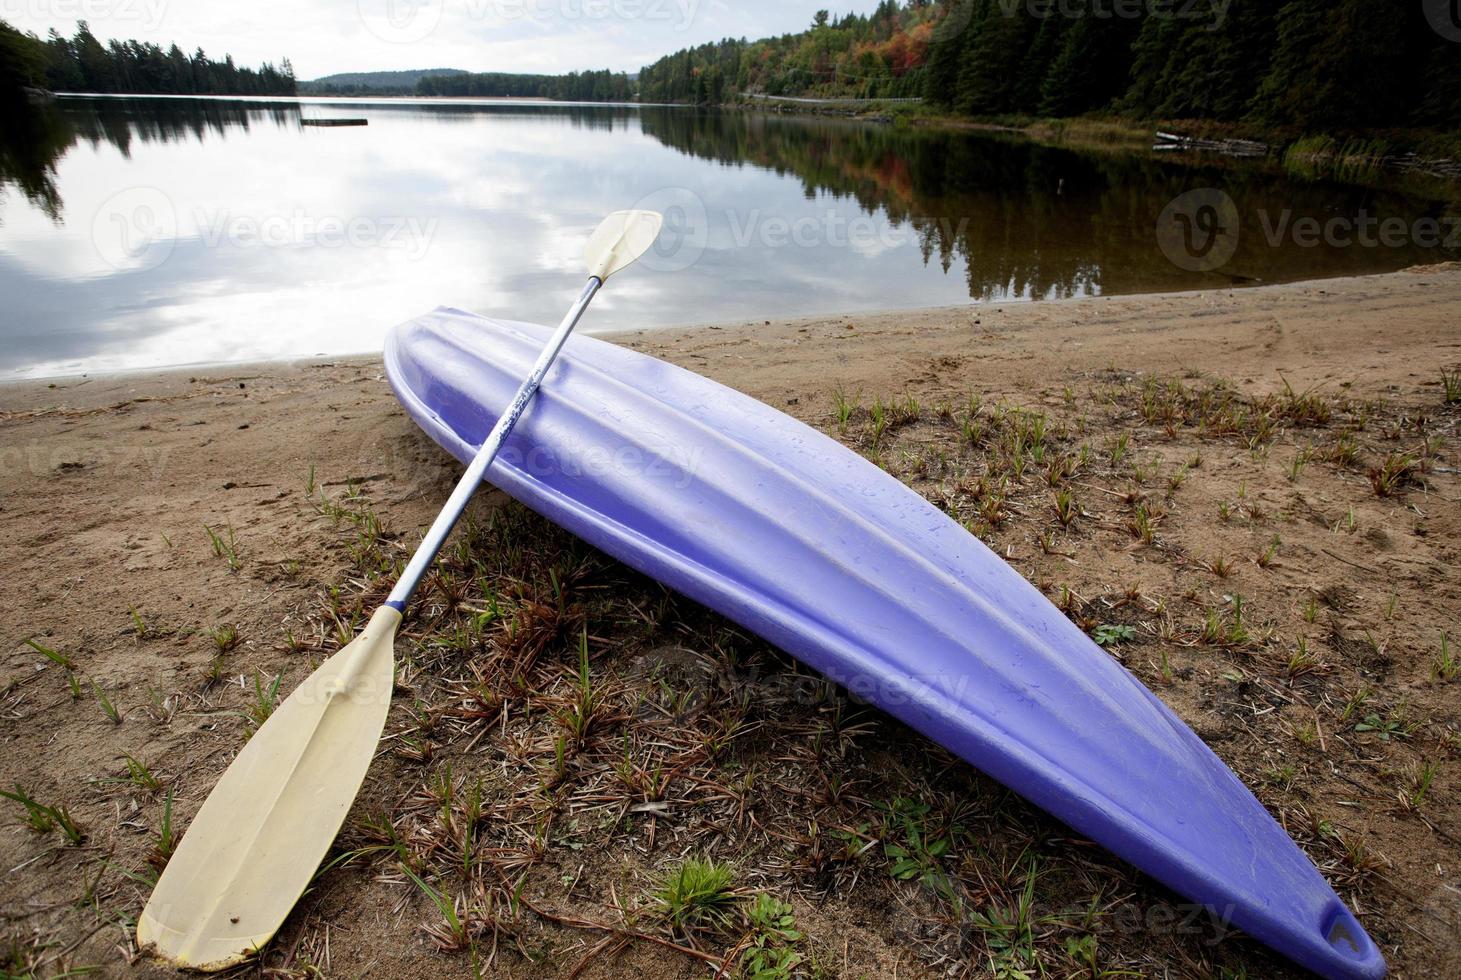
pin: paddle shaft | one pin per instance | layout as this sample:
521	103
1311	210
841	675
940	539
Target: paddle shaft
452	512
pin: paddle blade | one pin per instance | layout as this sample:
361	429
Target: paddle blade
621	238
254	846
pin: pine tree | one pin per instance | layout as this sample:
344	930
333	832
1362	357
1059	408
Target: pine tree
946	54
997	49
1337	63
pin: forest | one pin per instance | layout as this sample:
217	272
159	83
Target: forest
84	64
1302	64
588	86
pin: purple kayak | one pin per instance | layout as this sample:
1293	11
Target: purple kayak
805	543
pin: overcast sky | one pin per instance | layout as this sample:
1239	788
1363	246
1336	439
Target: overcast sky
323	37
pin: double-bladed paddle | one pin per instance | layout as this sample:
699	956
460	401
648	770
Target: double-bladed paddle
252	849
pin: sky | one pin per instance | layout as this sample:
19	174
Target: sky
323	37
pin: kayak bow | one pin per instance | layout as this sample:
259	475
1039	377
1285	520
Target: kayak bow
802	541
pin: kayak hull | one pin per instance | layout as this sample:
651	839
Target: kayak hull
805	543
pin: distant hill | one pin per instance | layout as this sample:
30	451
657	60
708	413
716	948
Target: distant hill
379	82
586	86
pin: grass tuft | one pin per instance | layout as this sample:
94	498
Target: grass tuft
167	840
225	546
141	776
1390	477
43	819
108	708
266	699
225	637
1446	666
454	932
698	896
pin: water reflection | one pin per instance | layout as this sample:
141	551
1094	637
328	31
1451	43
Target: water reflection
144	232
32	138
1033	221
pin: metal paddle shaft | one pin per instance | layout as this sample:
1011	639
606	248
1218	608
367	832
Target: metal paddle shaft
255	844
462	495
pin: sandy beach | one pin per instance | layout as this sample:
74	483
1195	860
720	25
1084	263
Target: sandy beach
180	539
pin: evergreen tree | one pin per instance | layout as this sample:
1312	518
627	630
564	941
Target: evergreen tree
23	63
998	46
84	64
1337	63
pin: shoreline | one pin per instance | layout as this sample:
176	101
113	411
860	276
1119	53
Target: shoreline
643	338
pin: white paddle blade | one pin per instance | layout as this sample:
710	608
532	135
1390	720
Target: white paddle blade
254	846
621	238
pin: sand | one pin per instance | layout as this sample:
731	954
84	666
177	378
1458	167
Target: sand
108	483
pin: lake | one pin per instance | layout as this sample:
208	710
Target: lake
145	232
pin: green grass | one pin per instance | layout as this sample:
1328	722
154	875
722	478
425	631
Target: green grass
1066	508
879	415
1420	784
225	546
1010	929
225	637
916	842
1226	629
59	659
266	699
1313	157
453	933
1143	524
1446	666
582	710
1267	556
141	776
108	708
845	407
1390	477
166	841
1451	386
1303	661
1311	609
43	819
698	895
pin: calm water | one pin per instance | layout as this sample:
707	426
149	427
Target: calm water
145	232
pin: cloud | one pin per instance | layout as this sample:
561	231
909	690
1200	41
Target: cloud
322	37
